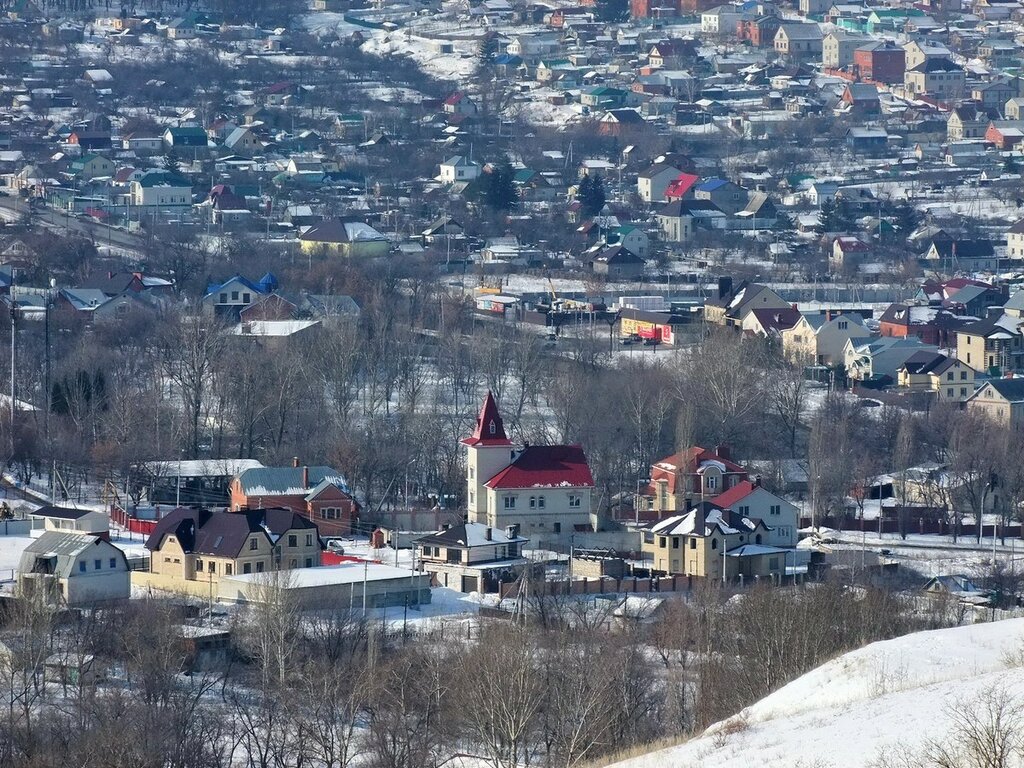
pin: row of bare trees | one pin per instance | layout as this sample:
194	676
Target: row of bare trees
574	682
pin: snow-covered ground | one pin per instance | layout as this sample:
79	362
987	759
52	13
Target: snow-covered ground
890	694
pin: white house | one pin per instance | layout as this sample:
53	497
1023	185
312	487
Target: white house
543	489
750	499
69	520
459	168
161	189
652	183
74	568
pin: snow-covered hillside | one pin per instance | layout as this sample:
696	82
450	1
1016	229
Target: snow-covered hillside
865	703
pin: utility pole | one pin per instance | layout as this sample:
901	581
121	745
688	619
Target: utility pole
14	319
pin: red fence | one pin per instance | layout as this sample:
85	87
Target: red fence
133	524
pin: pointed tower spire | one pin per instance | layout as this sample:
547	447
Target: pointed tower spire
490	430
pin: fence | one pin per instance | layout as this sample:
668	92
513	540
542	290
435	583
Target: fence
600	586
922	525
130	523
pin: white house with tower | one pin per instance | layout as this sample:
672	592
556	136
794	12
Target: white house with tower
544	489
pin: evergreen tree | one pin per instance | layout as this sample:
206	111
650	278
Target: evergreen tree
171	163
613	10
499	192
488	50
834	218
591	195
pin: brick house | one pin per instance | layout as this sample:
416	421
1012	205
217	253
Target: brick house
930	324
273	306
881	62
318	493
679	480
759	32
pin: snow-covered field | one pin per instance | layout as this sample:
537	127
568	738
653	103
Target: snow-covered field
887	695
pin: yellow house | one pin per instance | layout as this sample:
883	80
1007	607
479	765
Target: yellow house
345	238
200	545
709	542
1000	400
946	377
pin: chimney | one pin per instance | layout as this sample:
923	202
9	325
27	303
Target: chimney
795	308
757	481
305	477
699	519
488	536
723	452
512	531
295	462
724	287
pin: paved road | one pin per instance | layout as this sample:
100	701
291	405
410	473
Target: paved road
101	234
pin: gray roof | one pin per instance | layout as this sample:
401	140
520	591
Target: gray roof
287	481
62	550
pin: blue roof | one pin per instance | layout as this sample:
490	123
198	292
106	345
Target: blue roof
711	185
268	282
257	287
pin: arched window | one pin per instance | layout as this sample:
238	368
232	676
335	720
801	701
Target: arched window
492	427
714	543
757	539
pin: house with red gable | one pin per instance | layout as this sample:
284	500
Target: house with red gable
459	103
542	489
750	499
681	187
687	477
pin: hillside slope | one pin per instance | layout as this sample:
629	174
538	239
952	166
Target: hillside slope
846	712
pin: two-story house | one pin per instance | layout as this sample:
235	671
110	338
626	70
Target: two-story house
715	543
731	305
946	378
318	493
821	339
1001	401
993	345
544	489
201	545
473	557
691	475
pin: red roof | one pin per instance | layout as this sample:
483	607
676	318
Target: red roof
490	430
735	494
680	186
546	466
455	98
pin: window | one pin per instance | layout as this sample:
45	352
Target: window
662	542
254	544
199	564
714	543
574	500
81	566
113	562
227	569
97	565
223	298
949	392
510	502
293	540
259	566
211	567
557	527
675	542
963	391
744	510
472	473
540	502
712	482
472	497
775	509
246	298
533	502
293	563
843	325
949	376
309	539
246	567
963	375
309	562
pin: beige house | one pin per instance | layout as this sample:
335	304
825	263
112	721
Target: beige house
542	489
191	545
709	542
946	378
472	557
1001	400
652	183
837	48
821	339
992	344
68	520
1015	240
731	305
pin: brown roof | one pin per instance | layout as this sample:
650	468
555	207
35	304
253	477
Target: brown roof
223	534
